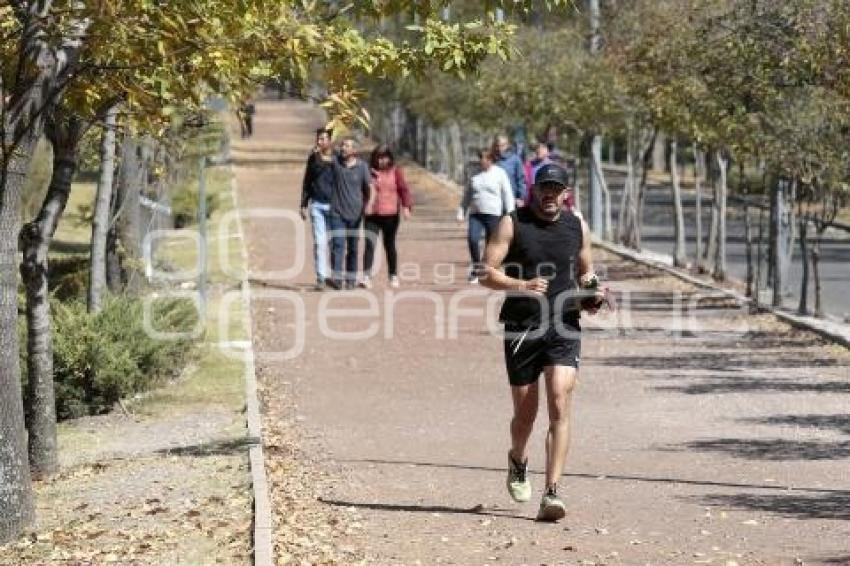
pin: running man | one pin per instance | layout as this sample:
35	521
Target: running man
547	256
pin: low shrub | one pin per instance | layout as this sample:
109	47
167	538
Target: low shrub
184	204
100	359
68	277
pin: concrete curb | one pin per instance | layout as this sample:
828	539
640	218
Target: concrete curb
263	527
833	331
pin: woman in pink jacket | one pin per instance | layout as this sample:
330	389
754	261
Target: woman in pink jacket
390	199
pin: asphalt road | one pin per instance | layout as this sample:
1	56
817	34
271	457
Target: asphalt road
658	237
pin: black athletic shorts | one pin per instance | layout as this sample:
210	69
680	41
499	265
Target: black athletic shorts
528	351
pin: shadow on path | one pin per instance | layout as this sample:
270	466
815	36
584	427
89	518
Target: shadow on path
214	448
840	423
476	510
737	383
776	449
609	477
828	506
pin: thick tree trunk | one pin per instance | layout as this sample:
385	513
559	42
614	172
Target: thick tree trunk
64	134
803	307
719	272
16	501
100	219
44	65
680	254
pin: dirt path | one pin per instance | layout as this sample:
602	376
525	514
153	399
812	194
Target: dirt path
717	438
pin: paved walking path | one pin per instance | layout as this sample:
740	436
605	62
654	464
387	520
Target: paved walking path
716	437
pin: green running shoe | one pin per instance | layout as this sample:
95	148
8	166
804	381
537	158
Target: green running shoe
519	486
552	508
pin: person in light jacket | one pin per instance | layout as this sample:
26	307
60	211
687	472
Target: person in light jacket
391	199
487	198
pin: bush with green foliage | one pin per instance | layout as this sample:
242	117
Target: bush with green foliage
99	359
184	204
68	277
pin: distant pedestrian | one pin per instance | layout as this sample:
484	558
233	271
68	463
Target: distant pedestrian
351	193
391	199
487	197
316	192
510	162
246	118
540	158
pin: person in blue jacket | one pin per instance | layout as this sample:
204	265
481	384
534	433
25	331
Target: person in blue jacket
512	164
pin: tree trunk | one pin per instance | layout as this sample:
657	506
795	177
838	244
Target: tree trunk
748	243
646	141
719	272
711	247
64	134
760	245
594	178
816	272
699	172
680	254
659	153
790	226
100	219
803	307
624	216
43	67
128	222
777	251
595	191
607	226
16	501
456	152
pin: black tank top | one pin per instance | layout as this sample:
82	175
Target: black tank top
547	249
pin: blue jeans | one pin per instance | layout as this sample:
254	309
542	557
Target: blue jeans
319	217
345	236
480	225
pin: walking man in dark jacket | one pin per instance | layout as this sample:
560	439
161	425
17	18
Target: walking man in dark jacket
351	193
512	164
316	192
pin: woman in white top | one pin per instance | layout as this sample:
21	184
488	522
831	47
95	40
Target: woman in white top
486	199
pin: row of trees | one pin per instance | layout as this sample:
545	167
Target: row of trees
749	92
132	68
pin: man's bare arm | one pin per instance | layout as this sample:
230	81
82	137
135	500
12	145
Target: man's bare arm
585	258
495	252
585	270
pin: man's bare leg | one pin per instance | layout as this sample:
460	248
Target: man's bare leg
525	399
560	381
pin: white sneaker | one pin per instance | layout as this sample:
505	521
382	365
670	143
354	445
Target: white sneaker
473	280
366	282
394	282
